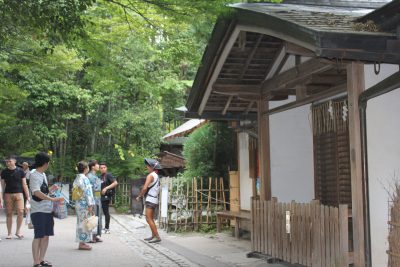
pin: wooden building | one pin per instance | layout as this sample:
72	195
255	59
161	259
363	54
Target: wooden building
297	78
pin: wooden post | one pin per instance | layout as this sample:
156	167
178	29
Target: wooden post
264	150
355	86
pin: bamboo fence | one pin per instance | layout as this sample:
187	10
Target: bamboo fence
194	204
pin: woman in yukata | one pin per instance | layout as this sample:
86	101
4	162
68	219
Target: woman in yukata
83	206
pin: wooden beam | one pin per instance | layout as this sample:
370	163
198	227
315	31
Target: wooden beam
355	86
279	59
296	74
309	99
249	107
227	105
264	150
236	89
229	44
301	92
293	49
251	55
219	117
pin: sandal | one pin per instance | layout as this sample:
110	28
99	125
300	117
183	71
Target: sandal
46	263
148	238
19	236
155	240
85	247
9	237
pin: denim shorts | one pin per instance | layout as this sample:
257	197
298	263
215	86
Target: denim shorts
43	224
150	205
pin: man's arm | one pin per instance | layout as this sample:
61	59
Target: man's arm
26	191
3	188
111	186
42	196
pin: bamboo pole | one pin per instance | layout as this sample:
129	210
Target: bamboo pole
176	209
187	205
209	198
201	199
223	193
196	203
216	194
192	202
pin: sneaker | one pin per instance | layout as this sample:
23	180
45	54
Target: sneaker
148	238
155	240
107	231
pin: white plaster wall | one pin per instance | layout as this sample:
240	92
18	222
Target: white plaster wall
383	137
244	171
292	155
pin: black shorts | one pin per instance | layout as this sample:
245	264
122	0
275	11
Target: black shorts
150	205
43	224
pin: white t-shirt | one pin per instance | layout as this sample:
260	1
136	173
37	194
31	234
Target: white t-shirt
35	182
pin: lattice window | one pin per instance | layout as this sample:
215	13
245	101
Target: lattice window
331	153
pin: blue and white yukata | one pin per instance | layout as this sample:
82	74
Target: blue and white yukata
81	207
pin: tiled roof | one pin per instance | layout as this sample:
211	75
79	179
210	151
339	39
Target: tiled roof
317	18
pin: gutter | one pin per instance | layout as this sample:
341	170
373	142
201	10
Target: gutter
387	85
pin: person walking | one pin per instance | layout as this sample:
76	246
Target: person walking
108	185
83	205
96	186
41	210
150	191
14	183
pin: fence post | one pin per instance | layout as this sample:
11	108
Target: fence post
344	234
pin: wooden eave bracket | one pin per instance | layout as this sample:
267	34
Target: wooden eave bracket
294	49
296	75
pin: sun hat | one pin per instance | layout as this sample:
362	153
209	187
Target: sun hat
152	163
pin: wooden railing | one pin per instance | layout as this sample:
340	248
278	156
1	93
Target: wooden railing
307	234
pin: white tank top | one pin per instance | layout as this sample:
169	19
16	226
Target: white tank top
152	195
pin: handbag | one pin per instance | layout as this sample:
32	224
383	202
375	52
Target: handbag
44	189
90	223
60	210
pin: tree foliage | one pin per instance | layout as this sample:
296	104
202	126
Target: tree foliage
210	151
97	79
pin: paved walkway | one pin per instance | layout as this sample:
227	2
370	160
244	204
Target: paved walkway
125	247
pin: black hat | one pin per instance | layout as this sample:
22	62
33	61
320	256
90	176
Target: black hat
153	163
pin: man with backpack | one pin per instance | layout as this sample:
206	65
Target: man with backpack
108	184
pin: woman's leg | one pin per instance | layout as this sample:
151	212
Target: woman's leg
150	221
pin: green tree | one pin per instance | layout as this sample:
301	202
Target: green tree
210	151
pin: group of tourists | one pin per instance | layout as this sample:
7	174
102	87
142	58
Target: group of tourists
92	194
